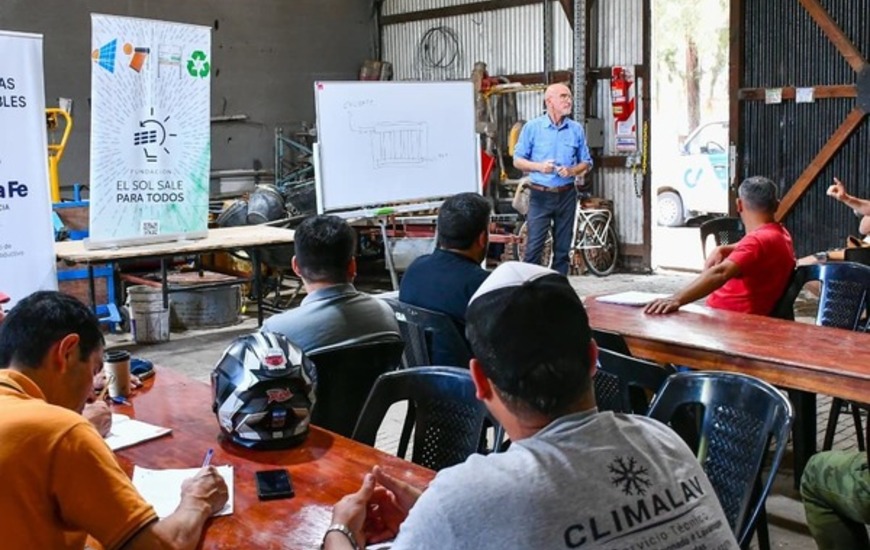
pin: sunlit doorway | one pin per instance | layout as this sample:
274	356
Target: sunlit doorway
689	105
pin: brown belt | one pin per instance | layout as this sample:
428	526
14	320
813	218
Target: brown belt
546	189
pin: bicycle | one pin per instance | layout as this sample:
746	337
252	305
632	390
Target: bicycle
594	238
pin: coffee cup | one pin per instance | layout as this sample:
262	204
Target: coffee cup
116	365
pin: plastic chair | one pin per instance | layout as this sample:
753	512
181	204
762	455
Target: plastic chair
344	378
735	418
623	383
610	340
724	230
448	418
844	303
431	338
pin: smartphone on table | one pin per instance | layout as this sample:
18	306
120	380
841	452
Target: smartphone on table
274	484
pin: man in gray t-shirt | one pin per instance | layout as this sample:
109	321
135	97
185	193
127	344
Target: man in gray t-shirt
334	314
573	477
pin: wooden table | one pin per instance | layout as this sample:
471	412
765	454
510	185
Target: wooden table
249	237
805	358
323	469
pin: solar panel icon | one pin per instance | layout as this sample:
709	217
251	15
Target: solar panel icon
105	55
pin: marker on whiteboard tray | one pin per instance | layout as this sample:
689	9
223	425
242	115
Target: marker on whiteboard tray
385	211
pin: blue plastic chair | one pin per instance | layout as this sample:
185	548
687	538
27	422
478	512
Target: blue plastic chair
734	418
844	303
448	418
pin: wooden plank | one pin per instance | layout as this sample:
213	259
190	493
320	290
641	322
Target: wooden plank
826	153
737	49
452	11
789	92
835	34
538	78
324	468
218	239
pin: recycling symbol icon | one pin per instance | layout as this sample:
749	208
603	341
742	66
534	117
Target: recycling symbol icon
198	65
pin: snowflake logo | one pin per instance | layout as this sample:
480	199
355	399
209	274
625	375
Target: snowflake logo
627	473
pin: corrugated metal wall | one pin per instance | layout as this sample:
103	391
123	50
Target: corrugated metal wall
785	47
509	41
619	41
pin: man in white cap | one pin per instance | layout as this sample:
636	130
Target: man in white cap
573	477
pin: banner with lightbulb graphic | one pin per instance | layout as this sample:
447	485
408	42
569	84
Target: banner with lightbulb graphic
150	131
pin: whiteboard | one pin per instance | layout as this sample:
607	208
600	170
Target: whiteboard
389	142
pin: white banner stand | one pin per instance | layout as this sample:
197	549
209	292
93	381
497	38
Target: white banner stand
150	131
27	261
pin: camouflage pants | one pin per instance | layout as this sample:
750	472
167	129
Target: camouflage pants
836	491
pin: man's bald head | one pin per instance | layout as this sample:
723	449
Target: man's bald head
558	101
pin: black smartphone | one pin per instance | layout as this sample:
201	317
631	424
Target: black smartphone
274	484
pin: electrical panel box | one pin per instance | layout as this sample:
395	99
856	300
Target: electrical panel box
595	133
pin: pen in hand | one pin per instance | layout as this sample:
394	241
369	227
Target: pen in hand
207	460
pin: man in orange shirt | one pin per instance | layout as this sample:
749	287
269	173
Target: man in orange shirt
749	276
60	480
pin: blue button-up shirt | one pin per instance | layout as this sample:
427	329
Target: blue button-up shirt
564	144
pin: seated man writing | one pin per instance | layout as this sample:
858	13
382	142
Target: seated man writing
334	313
60	480
572	478
749	276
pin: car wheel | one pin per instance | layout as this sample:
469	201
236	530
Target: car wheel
669	210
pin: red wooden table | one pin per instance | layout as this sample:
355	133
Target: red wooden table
804	358
323	469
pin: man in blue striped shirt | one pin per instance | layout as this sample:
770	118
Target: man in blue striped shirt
553	149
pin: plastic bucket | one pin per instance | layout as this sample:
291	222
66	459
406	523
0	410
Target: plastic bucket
265	205
149	321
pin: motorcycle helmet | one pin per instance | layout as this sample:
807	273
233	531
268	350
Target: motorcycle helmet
263	388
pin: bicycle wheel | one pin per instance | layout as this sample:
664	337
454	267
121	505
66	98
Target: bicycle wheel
520	246
602	259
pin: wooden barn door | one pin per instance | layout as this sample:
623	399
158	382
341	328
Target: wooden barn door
800	94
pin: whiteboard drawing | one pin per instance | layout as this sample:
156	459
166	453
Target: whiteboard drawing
394	142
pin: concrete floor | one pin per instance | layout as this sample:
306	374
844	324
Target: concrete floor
195	352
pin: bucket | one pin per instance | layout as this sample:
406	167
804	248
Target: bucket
149	322
265	205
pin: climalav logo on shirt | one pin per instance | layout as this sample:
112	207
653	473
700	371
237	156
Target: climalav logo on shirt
648	516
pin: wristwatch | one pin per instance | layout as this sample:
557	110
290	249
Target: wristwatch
343	529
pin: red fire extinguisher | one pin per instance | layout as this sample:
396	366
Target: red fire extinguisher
619	97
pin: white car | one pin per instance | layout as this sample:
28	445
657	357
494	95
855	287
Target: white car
697	182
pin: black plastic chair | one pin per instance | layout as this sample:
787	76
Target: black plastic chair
724	230
431	338
624	383
734	418
610	340
448	418
345	376
844	303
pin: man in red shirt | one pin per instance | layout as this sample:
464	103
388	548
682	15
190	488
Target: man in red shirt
749	276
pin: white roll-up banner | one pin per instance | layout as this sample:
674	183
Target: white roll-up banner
27	261
150	131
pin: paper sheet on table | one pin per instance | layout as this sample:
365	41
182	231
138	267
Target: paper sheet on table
127	431
630	298
162	488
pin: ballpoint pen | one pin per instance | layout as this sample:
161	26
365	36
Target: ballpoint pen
207	460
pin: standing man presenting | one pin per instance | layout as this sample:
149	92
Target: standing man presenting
553	149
